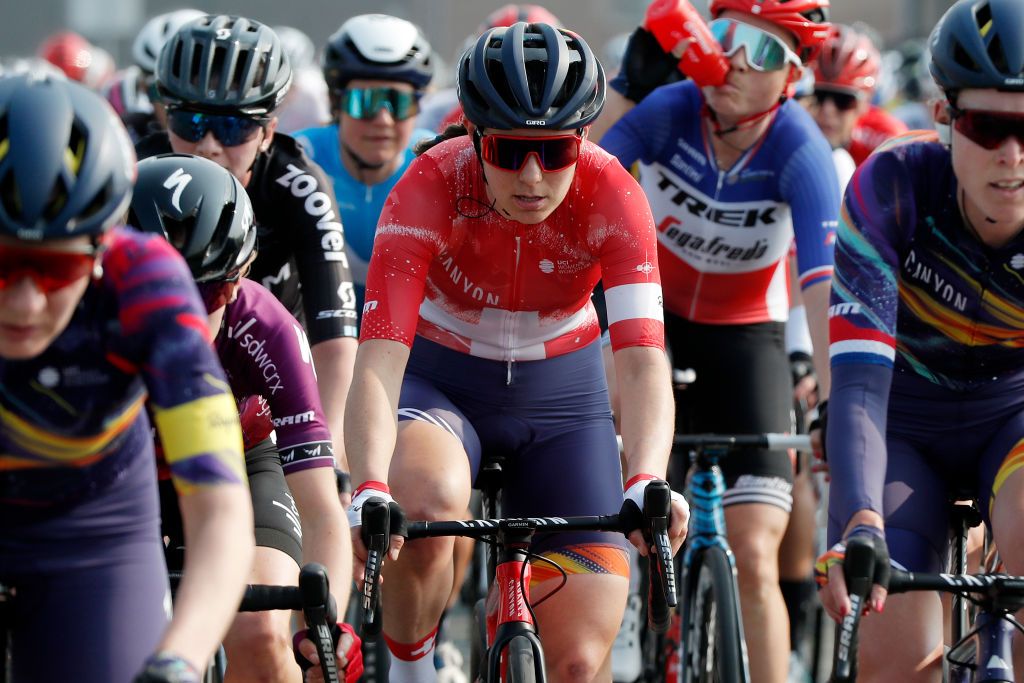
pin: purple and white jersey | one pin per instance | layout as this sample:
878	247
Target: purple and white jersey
264	351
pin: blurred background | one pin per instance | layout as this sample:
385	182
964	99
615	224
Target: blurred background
112	24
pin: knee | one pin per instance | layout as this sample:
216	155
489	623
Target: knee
579	662
441	496
757	560
258	648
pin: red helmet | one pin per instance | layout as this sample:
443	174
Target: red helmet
849	59
511	13
79	59
807	20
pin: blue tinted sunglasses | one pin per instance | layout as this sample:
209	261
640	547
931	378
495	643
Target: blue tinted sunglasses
364	103
229	130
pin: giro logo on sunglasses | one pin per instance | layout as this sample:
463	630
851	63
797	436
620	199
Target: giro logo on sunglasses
511	152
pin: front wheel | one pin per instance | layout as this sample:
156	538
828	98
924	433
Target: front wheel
712	636
521	662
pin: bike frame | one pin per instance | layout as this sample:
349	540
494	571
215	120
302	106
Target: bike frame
707	528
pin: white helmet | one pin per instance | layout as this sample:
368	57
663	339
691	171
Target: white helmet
156	32
299	47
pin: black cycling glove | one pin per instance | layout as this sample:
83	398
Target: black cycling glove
645	66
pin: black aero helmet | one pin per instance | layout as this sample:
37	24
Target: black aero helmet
378	47
530	76
224	64
979	44
66	163
200	208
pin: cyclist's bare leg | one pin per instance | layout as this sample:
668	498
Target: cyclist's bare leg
259	644
430	479
903	643
463	557
1007	511
755	533
578	626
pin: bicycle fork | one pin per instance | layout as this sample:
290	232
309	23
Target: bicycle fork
508	615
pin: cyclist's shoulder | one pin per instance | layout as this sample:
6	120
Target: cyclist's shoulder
794	134
136	260
317	141
681	98
256	306
915	161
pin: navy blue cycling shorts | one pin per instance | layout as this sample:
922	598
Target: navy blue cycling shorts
943	446
92	597
550	419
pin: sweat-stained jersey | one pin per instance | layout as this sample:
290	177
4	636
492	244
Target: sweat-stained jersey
449	267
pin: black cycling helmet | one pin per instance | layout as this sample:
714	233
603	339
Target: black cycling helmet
224	64
979	44
66	163
200	208
530	76
378	47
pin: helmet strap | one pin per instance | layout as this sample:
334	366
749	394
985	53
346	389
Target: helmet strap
361	163
742	124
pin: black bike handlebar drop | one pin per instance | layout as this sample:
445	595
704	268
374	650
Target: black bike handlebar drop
858	568
661	572
313	597
375	535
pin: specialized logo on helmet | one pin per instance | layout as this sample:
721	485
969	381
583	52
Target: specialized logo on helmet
177	180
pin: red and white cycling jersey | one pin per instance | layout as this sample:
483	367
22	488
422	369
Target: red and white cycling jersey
448	267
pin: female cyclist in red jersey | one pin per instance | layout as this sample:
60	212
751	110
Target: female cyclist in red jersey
926	328
479	335
93	320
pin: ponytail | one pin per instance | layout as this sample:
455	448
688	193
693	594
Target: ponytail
453	130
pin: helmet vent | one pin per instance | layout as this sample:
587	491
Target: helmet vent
983	15
961	57
10	198
998	55
176	59
177	231
99	200
196	66
57	200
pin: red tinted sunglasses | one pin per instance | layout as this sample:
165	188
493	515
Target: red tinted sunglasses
217	293
510	152
49	268
988	129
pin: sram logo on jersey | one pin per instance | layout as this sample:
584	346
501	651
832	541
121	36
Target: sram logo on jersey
301	418
746	217
317	204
